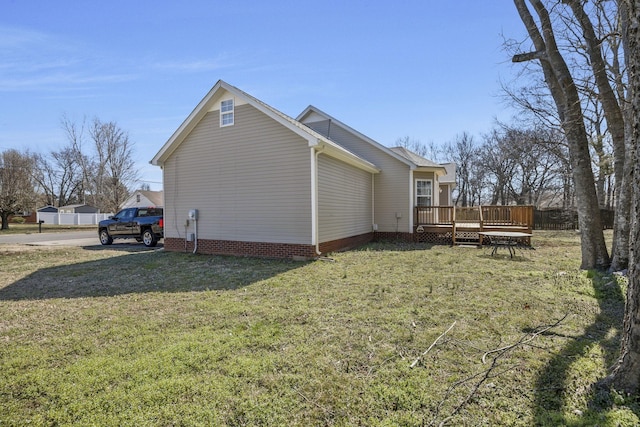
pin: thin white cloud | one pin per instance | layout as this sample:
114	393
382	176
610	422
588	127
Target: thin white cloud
60	80
33	60
18	38
200	64
192	66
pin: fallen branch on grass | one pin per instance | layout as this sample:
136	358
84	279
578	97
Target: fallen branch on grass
524	340
313	402
487	374
490	372
415	362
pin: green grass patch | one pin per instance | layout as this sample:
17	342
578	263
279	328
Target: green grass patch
117	338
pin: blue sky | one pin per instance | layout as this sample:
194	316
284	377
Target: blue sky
425	69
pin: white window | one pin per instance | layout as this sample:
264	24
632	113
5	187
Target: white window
424	192
226	112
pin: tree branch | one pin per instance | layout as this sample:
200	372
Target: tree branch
529	56
524	340
491	372
415	362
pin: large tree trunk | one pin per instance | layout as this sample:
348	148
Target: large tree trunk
4	219
624	193
626	374
616	126
593	246
567	101
623	215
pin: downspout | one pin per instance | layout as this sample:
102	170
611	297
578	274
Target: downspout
411	197
315	151
195	235
373	203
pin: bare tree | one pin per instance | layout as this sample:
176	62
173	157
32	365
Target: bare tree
478	182
499	165
104	154
45	177
77	141
523	164
58	177
429	151
567	101
463	153
616	127
626	373
16	184
116	168
536	109
602	157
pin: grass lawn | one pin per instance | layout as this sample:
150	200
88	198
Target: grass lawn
135	337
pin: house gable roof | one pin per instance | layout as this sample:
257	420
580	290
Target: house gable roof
420	161
208	102
415	158
311	111
77	205
450	177
155	197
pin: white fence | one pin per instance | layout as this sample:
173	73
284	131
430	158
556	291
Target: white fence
56	218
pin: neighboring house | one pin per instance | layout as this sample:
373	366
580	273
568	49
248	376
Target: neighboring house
48	208
144	198
243	178
79	208
32	217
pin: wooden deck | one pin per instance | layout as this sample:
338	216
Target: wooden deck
464	224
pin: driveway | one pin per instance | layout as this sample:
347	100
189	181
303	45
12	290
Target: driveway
68	238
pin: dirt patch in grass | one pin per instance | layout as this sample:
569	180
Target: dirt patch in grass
156	338
9	249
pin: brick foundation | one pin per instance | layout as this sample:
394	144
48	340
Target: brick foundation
264	249
346	243
384	236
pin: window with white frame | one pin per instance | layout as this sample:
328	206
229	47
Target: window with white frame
424	192
226	112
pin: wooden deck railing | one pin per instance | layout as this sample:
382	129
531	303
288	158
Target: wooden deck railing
508	215
476	216
468	215
434	215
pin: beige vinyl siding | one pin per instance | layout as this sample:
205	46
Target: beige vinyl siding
424	175
344	200
391	185
249	181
